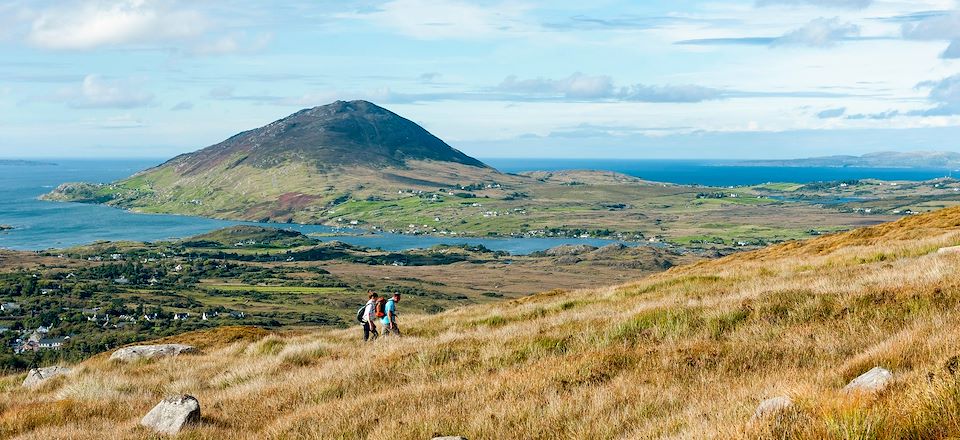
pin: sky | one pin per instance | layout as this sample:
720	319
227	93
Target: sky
601	79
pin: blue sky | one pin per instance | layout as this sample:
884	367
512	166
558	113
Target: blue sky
607	78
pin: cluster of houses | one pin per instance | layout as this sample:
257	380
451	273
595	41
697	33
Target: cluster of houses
120	321
718	195
37	340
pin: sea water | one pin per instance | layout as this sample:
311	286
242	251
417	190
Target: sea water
42	225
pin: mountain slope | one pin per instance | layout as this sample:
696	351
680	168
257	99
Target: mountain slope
296	168
338	134
684	354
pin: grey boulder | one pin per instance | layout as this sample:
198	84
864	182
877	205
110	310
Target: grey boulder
136	352
772	406
172	414
875	380
36	376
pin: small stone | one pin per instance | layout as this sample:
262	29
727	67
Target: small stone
772	406
875	380
36	376
172	414
129	354
949	250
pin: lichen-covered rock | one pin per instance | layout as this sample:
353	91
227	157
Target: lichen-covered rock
36	376
875	380
172	414
772	406
136	352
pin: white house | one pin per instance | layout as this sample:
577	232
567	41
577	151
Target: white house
52	343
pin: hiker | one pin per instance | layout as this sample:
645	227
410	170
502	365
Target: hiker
390	315
367	316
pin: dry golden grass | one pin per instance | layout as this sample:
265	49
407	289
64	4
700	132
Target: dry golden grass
684	354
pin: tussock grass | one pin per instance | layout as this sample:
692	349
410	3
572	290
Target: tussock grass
688	353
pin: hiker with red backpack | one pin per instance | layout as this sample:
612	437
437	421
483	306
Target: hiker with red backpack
389	317
367	316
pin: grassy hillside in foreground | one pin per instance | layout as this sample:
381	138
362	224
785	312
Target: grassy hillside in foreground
684	354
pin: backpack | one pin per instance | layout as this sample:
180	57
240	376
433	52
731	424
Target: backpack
360	316
381	308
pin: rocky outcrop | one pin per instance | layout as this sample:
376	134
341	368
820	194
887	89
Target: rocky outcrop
875	380
610	249
568	259
137	352
36	376
569	249
772	407
173	414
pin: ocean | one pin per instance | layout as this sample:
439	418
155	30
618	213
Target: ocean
714	172
42	225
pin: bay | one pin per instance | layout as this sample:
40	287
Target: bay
42	225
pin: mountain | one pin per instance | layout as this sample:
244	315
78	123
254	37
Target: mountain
887	159
689	353
343	133
296	168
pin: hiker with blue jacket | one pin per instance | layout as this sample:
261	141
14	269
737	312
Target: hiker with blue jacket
390	315
367	315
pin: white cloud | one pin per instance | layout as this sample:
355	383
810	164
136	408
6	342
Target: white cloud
953	50
98	92
821	32
232	44
832	113
934	27
601	87
222	92
945	94
845	4
438	19
669	93
93	24
576	86
937	27
123	121
182	105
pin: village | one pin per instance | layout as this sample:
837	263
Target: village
21	339
83	300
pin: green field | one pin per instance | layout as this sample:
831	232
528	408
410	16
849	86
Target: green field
276	289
